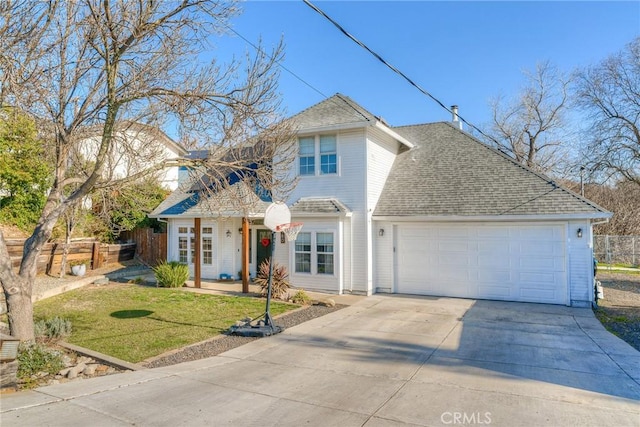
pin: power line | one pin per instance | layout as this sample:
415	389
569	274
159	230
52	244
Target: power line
393	68
279	63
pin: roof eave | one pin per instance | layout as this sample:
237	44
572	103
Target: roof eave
320	214
357	125
386	129
488	218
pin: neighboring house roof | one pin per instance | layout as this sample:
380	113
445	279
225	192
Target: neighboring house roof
449	173
313	206
341	112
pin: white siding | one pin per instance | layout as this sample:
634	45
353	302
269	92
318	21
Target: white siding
132	152
383	253
318	282
580	264
225	249
349	187
381	153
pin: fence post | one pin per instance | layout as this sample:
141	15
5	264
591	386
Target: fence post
95	256
633	251
607	253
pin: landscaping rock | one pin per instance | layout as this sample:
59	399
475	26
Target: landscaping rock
84	359
90	369
73	372
327	303
68	362
101	281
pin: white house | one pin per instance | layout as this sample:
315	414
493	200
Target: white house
136	146
424	209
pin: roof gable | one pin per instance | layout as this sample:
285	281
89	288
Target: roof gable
333	111
450	173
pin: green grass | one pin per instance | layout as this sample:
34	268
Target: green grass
134	323
616	264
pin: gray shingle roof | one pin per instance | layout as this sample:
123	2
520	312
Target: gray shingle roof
450	173
336	110
318	206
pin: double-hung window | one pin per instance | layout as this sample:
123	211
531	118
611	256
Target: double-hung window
303	253
324	253
318	150
307	149
328	154
314	253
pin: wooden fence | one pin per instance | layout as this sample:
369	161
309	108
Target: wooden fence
151	247
94	253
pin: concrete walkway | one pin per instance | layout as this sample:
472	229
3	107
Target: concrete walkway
384	361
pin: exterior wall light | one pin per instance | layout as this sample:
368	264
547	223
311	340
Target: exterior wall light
228	233
381	232
240	230
579	233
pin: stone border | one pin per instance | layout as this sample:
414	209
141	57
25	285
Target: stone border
108	360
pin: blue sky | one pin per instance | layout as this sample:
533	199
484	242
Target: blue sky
462	52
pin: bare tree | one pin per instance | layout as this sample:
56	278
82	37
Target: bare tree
610	93
622	199
102	63
531	126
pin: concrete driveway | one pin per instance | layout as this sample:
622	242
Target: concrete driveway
384	361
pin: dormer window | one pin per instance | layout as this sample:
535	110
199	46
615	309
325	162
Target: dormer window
321	149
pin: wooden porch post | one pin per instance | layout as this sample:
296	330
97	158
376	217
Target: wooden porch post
245	255
196	250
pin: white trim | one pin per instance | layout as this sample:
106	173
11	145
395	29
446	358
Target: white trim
313	254
358	125
331	128
394	135
492	218
321	214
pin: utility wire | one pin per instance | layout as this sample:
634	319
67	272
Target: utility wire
260	50
344	106
393	68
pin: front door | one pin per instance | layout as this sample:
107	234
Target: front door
263	247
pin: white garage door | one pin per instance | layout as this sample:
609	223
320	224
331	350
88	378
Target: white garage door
518	262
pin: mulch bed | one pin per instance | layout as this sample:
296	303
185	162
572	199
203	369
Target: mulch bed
619	311
228	342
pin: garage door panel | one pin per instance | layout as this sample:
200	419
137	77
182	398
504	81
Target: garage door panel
541	279
509	262
496	292
498	233
494	276
500	260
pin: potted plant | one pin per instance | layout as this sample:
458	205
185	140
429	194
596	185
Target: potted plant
79	267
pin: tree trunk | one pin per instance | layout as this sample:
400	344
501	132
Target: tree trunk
20	311
17	291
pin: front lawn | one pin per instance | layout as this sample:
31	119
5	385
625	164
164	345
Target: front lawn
134	323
